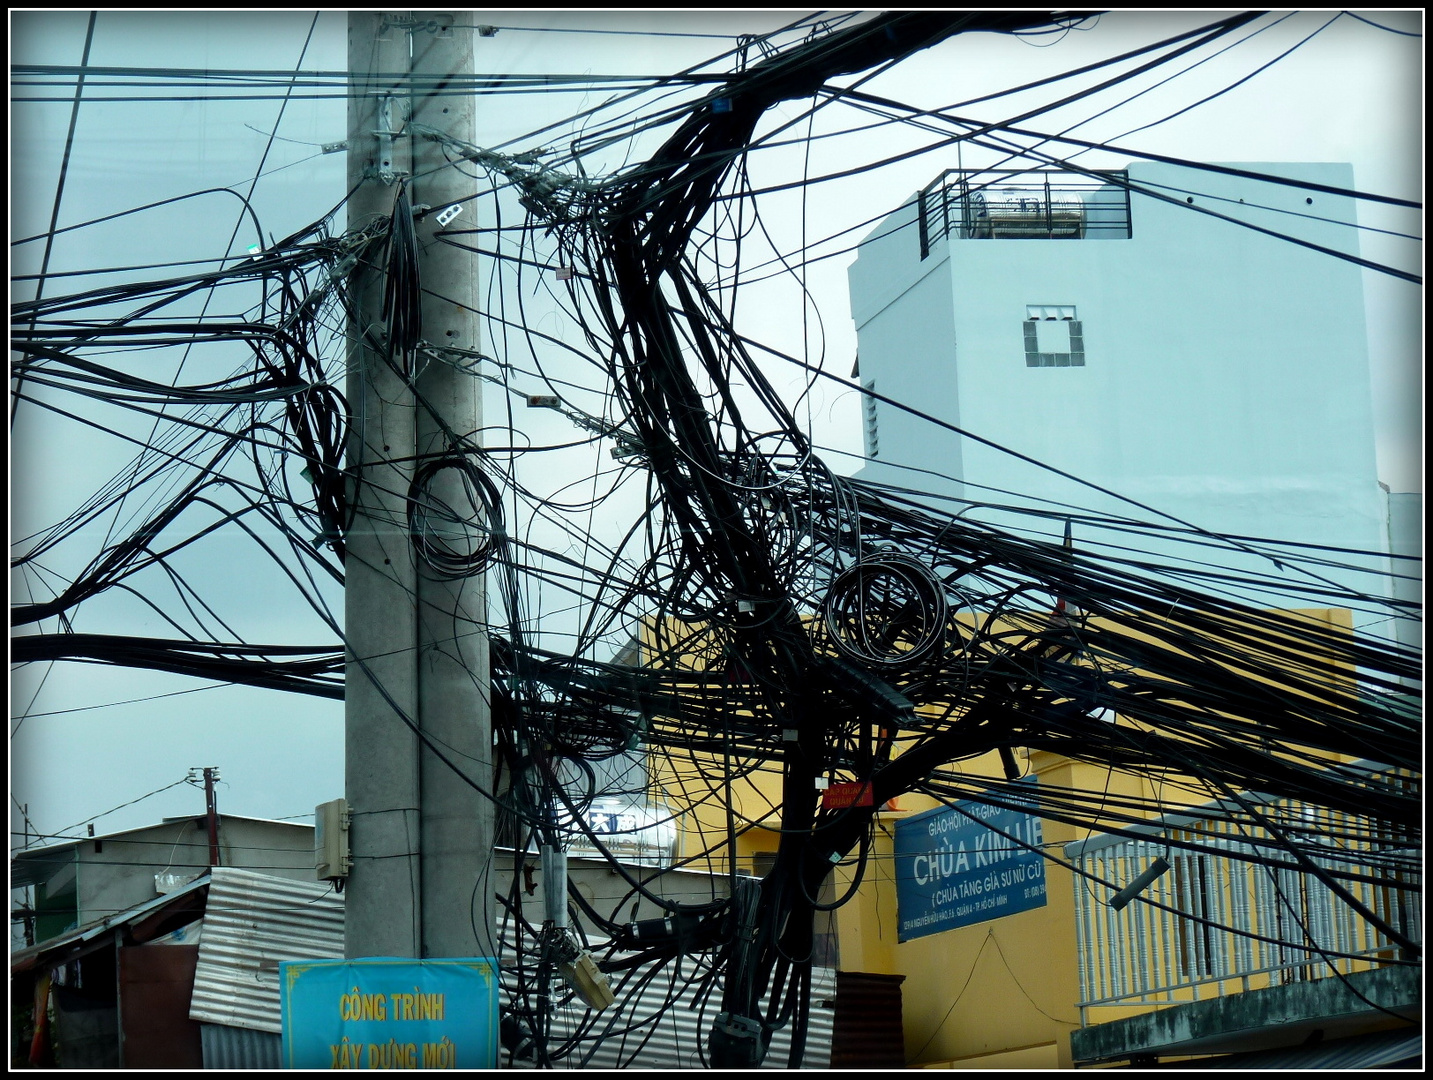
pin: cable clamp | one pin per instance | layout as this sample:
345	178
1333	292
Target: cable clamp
385	133
442	26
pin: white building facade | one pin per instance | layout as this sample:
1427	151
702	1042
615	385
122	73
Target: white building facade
1210	371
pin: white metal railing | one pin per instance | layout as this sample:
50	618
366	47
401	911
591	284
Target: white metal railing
1261	926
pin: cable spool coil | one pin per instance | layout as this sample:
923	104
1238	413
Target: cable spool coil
455	537
887	612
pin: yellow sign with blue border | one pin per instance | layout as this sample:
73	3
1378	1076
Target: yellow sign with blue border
389	1013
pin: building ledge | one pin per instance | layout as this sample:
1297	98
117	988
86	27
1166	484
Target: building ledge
1400	1049
1257	1019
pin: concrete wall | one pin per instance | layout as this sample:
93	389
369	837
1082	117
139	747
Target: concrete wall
1405	537
121	873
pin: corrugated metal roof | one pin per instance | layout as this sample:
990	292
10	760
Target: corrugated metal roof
39	865
253	921
37	955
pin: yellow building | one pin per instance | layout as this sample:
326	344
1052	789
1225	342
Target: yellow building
1010	992
1071	980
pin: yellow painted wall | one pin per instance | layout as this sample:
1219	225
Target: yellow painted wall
997	986
687	783
998	994
1045	1056
1001	993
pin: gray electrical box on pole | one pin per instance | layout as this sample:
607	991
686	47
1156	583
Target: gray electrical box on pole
420	836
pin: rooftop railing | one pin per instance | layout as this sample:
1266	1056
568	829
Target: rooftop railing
1221	922
1037	204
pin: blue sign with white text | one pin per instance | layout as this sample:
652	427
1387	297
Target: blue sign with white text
389	1013
966	864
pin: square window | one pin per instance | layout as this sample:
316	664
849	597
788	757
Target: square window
1053	336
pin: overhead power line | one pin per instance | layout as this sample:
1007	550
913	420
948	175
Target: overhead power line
747	612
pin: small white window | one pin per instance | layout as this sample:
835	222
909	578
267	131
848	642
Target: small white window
1054	336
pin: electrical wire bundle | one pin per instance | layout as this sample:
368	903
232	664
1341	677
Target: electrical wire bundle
236	454
773	621
888	688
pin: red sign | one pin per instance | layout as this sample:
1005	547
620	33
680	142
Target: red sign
840	796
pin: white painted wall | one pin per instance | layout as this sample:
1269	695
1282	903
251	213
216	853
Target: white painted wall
1405	537
1226	376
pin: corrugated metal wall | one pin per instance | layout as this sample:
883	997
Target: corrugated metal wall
240	1048
667	1029
253	921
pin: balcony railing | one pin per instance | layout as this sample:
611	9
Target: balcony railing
1030	205
1153	952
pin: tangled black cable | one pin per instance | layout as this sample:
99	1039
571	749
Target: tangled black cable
770	616
455	526
402	290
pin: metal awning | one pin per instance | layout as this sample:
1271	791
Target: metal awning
72	943
38	867
1402	1048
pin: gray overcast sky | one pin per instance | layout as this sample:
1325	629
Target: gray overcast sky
1351	92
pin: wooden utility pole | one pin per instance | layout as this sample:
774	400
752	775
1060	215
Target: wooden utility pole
421	836
211	814
28	910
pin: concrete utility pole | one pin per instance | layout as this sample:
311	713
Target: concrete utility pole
380	618
453	689
421	837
